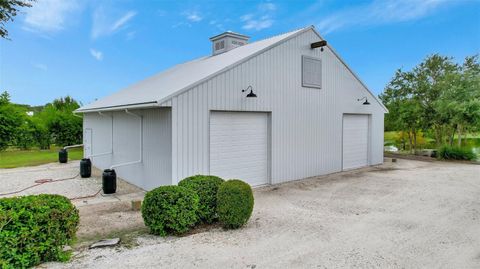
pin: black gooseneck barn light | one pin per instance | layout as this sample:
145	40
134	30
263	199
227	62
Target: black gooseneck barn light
366	103
250	94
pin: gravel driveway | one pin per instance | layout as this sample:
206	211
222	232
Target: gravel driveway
63	179
408	214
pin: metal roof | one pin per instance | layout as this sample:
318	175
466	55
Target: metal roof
160	87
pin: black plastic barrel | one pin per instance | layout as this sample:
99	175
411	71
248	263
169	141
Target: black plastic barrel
109	181
62	156
85	168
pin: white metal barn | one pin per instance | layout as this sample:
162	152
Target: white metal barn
265	112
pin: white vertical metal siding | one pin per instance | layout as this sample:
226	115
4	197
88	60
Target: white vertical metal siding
306	123
87	142
155	170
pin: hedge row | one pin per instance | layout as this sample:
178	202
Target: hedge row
456	153
197	199
35	228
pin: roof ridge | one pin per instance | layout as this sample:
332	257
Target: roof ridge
277	35
203	57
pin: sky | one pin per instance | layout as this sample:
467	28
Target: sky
89	49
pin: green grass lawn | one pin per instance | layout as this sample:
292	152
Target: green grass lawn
19	158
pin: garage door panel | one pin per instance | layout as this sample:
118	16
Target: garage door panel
355	141
239	146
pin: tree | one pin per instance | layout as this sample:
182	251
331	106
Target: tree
4	98
438	95
40	133
63	126
8	10
459	104
10	121
433	77
404	107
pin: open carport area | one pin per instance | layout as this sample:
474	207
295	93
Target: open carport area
408	214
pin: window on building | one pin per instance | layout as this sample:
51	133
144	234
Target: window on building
311	72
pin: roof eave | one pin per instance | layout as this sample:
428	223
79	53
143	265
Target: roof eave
152	104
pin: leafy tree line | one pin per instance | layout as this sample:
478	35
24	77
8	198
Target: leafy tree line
437	97
8	10
54	123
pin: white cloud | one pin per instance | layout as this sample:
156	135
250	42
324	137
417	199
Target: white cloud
260	19
267	6
103	25
258	25
121	22
246	17
193	16
179	24
98	55
217	24
40	66
49	16
380	12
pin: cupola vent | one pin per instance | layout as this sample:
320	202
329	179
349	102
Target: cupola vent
227	41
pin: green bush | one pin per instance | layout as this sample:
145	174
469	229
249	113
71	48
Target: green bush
206	187
456	153
35	228
234	203
170	210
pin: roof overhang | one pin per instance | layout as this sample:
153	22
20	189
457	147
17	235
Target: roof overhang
152	104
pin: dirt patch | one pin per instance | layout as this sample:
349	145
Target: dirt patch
102	220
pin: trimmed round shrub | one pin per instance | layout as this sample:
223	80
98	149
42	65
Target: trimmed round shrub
35	228
206	187
234	203
170	210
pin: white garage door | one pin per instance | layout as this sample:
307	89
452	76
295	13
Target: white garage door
239	146
355	141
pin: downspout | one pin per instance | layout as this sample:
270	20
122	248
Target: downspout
73	146
111	147
140	160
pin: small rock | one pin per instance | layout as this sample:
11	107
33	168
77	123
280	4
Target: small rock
67	248
136	205
105	243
